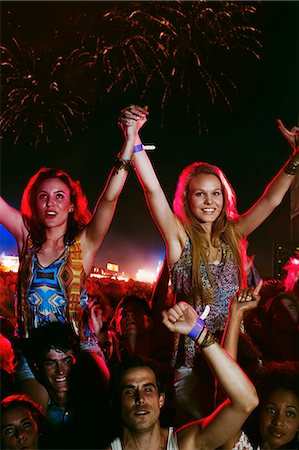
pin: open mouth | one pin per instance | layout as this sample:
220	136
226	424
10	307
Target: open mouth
50	214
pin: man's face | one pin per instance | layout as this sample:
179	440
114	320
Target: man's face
140	399
131	319
56	369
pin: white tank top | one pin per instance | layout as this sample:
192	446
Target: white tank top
172	443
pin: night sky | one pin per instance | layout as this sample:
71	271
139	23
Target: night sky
243	140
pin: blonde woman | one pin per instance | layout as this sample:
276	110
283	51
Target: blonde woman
204	236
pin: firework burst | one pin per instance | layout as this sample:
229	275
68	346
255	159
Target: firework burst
37	103
186	47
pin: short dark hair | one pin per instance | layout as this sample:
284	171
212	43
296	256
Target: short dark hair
127	364
131	299
53	335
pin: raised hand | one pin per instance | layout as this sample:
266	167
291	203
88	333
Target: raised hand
181	318
132	119
245	300
292	136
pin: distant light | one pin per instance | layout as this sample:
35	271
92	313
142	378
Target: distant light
9	263
122	278
112	266
145	276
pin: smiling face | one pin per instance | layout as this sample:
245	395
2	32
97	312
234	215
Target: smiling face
279	418
205	198
140	399
19	429
56	370
53	202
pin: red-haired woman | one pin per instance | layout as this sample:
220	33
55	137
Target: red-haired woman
204	236
57	240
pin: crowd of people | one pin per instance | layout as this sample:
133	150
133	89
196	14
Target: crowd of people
207	358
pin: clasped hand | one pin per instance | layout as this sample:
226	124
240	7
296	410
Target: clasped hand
245	300
132	119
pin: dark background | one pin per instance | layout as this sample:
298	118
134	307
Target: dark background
244	140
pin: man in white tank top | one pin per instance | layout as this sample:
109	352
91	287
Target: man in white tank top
138	396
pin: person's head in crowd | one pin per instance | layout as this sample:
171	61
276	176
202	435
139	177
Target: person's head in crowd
284	303
136	386
53	350
276	421
100	315
7	356
7	328
106	341
113	290
291	280
281	328
132	316
22	423
7	366
79	214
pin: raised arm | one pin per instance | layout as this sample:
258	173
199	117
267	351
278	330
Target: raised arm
228	418
276	189
167	223
12	220
244	301
94	233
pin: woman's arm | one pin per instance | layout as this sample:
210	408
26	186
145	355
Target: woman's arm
244	301
276	189
94	233
12	220
167	223
227	420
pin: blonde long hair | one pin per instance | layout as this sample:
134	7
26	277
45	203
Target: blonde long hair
224	227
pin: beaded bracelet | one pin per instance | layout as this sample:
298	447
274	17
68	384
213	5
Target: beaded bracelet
122	164
291	167
208	340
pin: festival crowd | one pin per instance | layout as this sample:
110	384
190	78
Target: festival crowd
205	358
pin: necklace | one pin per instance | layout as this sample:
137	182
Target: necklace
215	255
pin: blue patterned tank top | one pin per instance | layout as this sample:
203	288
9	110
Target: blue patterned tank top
55	292
46	295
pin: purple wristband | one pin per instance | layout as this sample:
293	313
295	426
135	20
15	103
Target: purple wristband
138	148
197	329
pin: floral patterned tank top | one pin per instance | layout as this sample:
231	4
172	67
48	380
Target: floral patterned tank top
218	291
